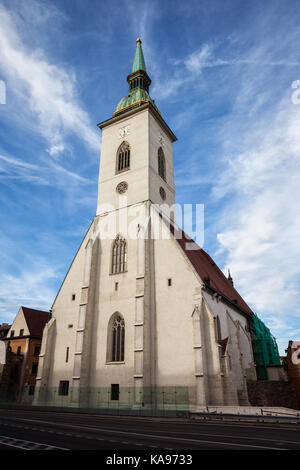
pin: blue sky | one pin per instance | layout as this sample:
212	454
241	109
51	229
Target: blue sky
222	75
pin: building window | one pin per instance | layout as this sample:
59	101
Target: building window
19	350
119	255
73	296
34	368
122	187
21	332
63	388
114	392
37	350
123	157
169	282
116	338
12	333
67	354
161	163
162	193
217	323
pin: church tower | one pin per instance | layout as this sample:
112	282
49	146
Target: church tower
136	155
142	321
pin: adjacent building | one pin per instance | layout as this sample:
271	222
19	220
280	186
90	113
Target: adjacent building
4	329
23	344
292	364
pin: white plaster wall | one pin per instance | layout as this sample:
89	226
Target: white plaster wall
174	309
66	312
19	323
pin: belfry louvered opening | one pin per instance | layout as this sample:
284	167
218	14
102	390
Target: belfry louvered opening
161	163
123	157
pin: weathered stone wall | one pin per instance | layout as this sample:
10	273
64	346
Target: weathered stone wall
272	393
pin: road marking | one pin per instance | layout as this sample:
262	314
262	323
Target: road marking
199	441
181	439
183	421
27	445
282	442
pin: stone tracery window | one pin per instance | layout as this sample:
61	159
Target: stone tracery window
161	163
119	255
123	157
116	338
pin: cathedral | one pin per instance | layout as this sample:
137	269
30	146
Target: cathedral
144	318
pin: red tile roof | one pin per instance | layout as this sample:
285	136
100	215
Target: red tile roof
209	272
36	320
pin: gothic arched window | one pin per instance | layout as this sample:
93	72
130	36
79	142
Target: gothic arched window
218	333
116	338
123	157
161	163
119	255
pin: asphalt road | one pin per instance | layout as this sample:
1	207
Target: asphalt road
43	430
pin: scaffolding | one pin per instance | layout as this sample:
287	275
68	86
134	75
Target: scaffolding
265	349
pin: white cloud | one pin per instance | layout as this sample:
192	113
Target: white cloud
13	168
261	227
187	71
56	150
29	288
17	169
202	58
63	172
49	90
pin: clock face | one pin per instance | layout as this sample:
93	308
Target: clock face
124	131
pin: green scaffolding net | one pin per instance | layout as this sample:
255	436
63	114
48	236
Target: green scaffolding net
265	349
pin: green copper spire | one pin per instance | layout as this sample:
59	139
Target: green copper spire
138	61
139	83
